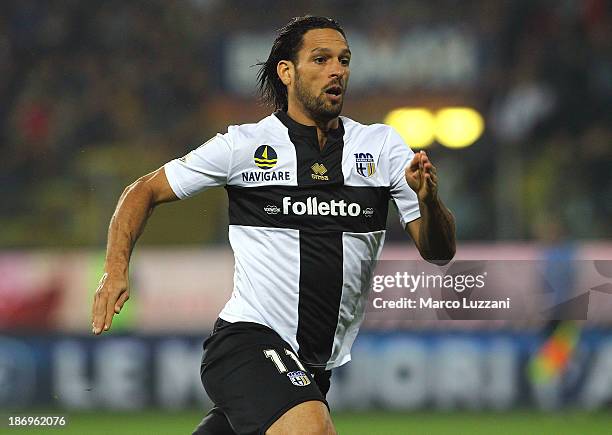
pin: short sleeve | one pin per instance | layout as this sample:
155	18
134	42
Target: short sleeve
405	198
206	166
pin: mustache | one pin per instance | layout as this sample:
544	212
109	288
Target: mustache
333	84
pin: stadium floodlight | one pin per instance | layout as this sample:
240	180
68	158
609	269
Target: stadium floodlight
452	127
415	125
458	127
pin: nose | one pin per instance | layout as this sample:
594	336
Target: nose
337	70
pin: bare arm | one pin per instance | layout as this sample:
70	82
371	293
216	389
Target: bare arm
434	232
135	206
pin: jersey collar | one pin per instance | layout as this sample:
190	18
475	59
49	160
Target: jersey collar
309	131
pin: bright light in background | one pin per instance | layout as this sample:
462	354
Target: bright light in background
458	127
453	127
416	126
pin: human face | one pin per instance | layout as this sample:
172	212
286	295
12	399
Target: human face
321	75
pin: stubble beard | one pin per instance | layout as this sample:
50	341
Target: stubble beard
316	106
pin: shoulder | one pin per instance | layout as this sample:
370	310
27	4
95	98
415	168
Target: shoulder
354	128
390	141
270	125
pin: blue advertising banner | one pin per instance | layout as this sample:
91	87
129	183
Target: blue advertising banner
400	371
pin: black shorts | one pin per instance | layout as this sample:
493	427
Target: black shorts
252	376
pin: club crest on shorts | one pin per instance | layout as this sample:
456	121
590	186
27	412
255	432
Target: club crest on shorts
364	163
298	378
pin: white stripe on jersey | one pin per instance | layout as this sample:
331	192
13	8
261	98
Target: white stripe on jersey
266	281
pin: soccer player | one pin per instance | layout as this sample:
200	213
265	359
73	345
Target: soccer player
308	196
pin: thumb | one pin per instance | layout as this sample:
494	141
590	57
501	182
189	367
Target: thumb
414	163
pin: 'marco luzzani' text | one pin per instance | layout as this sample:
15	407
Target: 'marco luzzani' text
431	303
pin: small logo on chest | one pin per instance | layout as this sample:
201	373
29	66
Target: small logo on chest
364	163
265	157
318	172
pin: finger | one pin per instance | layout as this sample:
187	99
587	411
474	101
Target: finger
93	308
430	169
98	307
99	312
96	295
411	172
421	159
414	163
122	299
110	311
432	182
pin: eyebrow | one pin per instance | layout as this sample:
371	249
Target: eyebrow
327	50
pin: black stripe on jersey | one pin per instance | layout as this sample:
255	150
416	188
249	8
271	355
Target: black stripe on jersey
321	280
321	188
329	208
322	208
316	167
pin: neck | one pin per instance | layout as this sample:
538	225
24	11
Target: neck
323	126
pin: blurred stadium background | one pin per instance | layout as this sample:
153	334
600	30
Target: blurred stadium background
512	100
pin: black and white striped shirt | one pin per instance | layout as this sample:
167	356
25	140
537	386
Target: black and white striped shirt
306	225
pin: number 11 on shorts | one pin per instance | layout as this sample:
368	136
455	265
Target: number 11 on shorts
276	359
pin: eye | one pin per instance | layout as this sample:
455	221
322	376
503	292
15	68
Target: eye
345	61
319	60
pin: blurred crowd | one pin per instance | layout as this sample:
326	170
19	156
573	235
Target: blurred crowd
94	94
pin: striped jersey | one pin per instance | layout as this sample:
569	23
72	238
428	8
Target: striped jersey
306	225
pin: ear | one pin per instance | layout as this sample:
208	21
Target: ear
284	69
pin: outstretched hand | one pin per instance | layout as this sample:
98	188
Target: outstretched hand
110	296
421	177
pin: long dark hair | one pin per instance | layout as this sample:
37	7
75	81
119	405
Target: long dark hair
286	46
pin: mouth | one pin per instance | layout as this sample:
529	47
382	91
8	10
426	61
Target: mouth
334	93
334	90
